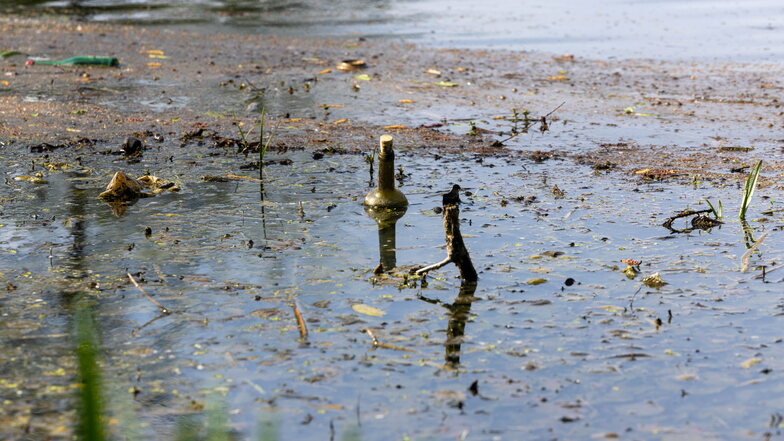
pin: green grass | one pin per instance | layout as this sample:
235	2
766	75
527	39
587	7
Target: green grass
717	211
748	190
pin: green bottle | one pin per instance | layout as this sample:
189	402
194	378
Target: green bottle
386	195
80	61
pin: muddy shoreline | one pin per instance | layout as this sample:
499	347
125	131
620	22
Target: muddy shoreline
630	113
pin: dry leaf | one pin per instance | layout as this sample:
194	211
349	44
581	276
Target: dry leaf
368	310
750	362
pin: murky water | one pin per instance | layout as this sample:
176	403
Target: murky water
561	342
726	30
579	354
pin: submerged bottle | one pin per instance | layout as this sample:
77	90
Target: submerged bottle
80	61
386	195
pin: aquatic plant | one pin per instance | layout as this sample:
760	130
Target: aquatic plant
90	425
370	160
748	190
264	145
717	211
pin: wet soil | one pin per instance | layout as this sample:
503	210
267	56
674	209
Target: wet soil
556	330
633	113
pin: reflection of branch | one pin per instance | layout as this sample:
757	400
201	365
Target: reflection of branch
455	330
456	251
136	331
458	316
744	260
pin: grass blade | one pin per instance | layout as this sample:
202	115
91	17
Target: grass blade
748	190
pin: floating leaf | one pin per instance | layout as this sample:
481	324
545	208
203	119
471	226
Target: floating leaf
368	310
446	84
750	362
395	127
362	77
325	71
349	65
536	281
613	308
433	72
558	78
406	101
340	121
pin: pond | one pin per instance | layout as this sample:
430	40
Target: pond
590	318
560	340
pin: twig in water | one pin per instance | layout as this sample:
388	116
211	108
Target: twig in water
378	344
303	330
456	251
685	213
154	302
542	121
744	260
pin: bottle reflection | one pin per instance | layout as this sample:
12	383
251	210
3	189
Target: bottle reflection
387	229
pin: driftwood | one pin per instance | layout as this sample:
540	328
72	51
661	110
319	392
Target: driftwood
456	251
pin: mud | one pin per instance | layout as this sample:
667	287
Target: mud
632	113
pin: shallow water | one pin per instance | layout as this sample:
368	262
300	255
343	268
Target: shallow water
555	360
704	30
575	354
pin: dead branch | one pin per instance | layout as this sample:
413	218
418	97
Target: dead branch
154	302
303	330
456	251
685	213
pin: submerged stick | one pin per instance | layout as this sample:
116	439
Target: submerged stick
378	344
154	302
303	330
744	260
456	251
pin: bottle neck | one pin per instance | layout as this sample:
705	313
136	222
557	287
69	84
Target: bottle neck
386	171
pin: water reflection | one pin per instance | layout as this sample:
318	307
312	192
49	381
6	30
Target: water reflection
387	229
459	311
